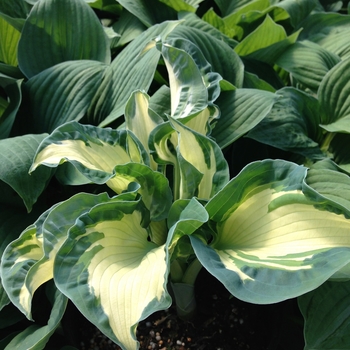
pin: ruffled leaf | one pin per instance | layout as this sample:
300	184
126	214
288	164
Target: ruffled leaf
112	273
272	242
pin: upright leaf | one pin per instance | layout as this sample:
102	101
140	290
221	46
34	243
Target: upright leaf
141	119
192	84
9	37
133	69
222	58
203	168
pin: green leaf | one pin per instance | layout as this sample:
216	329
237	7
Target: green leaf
65	92
329	30
252	81
331	183
191	20
185	217
14	8
297	10
149	12
111	272
35	337
307	62
16	155
267	34
337	151
228	7
129	27
12	88
9	37
271	242
76	89
241	110
335	98
160	102
181	5
292	124
241	21
45	43
326	314
266	43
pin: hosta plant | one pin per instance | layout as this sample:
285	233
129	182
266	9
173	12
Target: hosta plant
139	137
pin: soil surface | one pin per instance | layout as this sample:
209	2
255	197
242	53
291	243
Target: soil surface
222	323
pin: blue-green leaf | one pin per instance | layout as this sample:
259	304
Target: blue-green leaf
16	156
55	32
326	314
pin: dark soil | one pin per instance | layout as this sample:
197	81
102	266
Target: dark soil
222	323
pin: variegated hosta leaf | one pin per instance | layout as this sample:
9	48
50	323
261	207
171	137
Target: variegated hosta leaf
35	336
272	242
28	261
112	272
202	122
162	143
185	217
141	119
17	260
203	168
93	151
192	84
155	191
